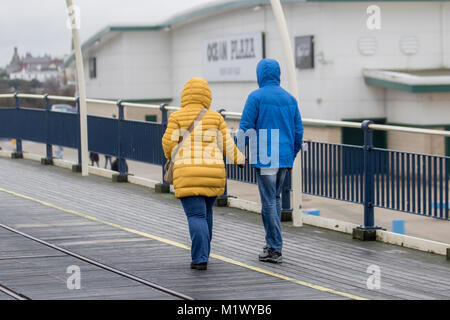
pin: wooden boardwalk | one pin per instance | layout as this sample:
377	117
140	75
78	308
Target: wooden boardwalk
4	297
39	272
145	234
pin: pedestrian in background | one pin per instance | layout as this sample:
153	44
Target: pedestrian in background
273	109
199	170
59	152
108	159
94	158
115	166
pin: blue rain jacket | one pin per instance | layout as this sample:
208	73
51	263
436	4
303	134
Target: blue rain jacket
271	117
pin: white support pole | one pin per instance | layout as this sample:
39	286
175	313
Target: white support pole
72	13
443	36
293	89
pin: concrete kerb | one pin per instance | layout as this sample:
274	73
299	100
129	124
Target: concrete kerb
31	156
320	222
119	177
5	154
46	161
162	188
17	155
63	164
413	242
364	234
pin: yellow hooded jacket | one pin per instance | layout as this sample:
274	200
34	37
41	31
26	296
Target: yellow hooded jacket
199	169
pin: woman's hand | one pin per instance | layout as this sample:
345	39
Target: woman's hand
242	165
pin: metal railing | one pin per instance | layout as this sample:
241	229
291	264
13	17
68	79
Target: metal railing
403	181
373	177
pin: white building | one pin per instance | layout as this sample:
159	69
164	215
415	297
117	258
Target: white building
390	66
37	74
40	68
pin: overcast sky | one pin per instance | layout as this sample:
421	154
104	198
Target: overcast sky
39	26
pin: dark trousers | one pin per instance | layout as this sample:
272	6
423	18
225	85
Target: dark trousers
108	159
199	212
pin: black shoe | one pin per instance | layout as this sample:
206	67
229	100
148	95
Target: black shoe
270	256
199	266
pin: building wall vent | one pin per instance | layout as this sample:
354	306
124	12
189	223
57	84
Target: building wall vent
367	46
409	45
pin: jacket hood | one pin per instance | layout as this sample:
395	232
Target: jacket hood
196	91
268	72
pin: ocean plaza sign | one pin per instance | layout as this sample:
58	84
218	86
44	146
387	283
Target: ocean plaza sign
233	58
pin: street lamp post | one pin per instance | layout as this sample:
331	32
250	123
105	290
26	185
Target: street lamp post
293	89
73	19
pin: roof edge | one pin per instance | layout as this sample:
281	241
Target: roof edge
200	11
188	15
108	29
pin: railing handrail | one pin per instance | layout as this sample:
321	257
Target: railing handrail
99	101
237	115
62	98
29	96
140	105
333	123
409	130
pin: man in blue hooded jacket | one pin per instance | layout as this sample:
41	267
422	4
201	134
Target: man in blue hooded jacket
271	116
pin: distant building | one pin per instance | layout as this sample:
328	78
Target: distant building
397	73
41	68
16	63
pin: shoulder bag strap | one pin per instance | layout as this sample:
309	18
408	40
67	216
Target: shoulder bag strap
191	128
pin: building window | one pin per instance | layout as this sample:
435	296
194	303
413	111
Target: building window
355	137
304	52
151	118
93	68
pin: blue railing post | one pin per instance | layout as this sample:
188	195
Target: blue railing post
18	154
368	230
163	187
369	172
123	174
222	201
48	160
286	209
77	167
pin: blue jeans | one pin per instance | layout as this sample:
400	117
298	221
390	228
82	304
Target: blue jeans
270	188
200	220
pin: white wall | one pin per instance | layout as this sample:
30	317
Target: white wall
156	64
188	49
330	91
131	65
418	108
147	64
41	76
110	70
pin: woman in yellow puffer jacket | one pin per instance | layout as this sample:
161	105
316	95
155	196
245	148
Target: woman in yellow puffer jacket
199	171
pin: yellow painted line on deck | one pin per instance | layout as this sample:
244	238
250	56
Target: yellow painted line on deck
180	245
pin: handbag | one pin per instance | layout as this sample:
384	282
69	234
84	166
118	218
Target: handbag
168	167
